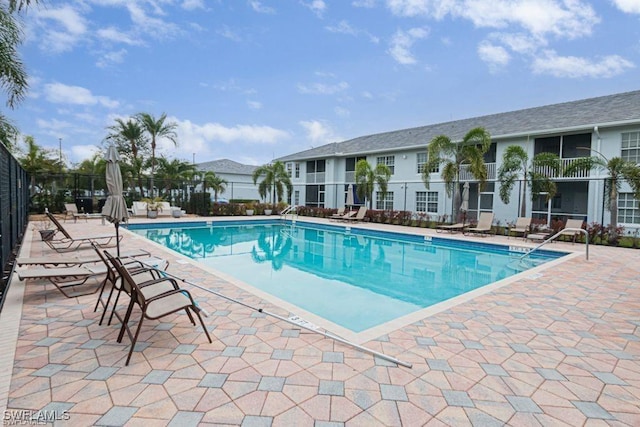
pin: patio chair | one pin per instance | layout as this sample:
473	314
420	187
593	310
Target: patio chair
572	223
484	225
70	210
362	212
68	277
451	228
69	243
139	208
138	268
522	226
153	307
338	215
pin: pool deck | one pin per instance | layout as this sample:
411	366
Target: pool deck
560	346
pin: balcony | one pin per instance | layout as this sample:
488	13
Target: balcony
315	178
466	175
582	173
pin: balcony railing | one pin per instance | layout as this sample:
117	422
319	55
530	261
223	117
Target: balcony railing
580	173
350	176
466	175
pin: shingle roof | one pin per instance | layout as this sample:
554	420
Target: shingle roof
582	114
227	166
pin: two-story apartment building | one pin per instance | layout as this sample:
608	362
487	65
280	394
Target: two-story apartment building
608	126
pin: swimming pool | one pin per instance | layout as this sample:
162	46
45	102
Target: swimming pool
354	278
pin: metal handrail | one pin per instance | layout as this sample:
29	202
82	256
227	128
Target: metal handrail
559	233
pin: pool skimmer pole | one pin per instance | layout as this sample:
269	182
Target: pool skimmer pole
324	333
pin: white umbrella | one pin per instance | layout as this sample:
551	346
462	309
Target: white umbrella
115	208
464	205
350	200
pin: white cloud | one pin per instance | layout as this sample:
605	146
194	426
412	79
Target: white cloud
59	93
316	6
368	4
110	58
53	125
342	112
576	67
496	56
63	28
318	132
193	4
343	27
230	34
116	35
628	6
215	132
322	89
257	6
564	18
254	105
401	43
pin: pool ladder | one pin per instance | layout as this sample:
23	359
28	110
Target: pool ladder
292	209
559	233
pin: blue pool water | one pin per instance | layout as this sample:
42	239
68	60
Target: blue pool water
357	279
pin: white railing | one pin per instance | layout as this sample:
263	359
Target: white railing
466	175
350	177
549	172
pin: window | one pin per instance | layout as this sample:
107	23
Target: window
315	196
628	212
289	167
421	161
297	175
296	198
350	168
427	201
386	203
389	161
631	147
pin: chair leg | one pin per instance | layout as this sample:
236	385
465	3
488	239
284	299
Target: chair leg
115	305
203	325
106	305
135	338
125	321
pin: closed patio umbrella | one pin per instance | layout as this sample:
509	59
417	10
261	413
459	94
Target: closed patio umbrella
350	199
115	208
464	205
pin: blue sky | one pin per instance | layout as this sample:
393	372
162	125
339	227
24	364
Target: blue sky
250	80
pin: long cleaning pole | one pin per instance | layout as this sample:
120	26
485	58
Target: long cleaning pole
325	333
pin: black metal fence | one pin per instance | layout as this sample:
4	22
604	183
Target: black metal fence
14	215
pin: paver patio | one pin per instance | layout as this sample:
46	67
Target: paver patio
558	347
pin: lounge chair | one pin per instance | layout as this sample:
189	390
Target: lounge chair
522	226
339	214
484	225
70	210
574	224
156	306
69	243
139	208
451	228
52	261
68	277
359	216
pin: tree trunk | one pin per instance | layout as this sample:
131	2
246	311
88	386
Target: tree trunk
523	205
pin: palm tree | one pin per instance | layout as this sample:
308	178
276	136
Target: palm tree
618	169
452	156
129	137
535	174
275	180
173	172
367	177
37	160
157	128
216	183
13	77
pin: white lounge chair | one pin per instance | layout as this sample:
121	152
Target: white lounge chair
485	222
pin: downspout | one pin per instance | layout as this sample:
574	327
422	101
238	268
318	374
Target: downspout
599	181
